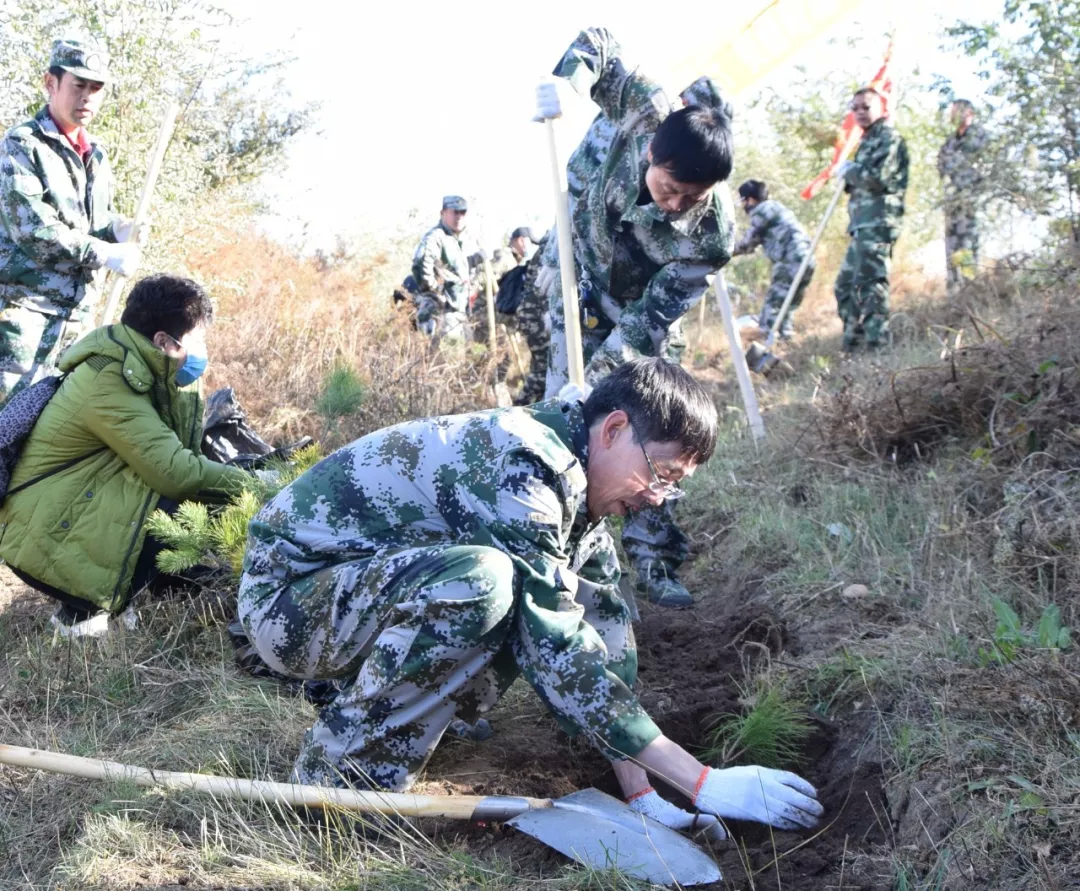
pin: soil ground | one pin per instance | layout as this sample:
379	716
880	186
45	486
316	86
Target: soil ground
691	665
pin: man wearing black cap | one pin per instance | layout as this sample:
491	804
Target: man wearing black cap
441	269
58	231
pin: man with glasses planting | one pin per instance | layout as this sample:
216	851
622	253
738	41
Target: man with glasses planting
427	565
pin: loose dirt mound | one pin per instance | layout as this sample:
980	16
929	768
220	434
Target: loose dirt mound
690	665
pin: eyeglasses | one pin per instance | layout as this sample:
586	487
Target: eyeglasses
659	486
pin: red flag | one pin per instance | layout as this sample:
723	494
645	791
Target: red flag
850	132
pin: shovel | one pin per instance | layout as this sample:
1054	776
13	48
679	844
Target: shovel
760	358
593	828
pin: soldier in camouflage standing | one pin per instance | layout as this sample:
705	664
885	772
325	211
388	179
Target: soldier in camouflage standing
959	171
427	565
786	244
875	181
441	270
59	233
650	225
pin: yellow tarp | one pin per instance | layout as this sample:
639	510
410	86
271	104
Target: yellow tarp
753	42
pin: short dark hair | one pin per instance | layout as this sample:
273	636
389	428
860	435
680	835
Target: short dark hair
754	188
864	90
57	72
964	104
166	303
664	403
695	145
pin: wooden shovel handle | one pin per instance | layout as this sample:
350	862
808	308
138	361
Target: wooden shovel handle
455	807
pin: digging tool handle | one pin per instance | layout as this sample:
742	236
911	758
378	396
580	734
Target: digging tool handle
489	296
575	359
456	807
771	339
164	135
746	386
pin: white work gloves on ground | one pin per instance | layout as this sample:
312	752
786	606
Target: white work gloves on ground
123	258
123	229
548	105
650	804
574	393
841	169
777	797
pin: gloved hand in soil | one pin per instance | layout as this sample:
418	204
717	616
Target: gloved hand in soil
777	797
649	803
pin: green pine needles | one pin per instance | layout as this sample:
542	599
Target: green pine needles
194	536
771	733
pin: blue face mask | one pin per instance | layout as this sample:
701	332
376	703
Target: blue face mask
192	369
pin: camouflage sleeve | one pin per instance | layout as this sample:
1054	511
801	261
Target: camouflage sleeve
607	611
560	653
31	222
752	239
593	67
883	170
425	261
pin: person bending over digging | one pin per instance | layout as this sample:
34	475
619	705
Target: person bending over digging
118	440
427	565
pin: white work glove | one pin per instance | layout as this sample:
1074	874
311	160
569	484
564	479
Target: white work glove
650	804
777	797
547	102
841	169
545	280
122	231
122	258
574	393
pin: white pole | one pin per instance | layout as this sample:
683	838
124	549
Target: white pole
164	135
575	359
746	386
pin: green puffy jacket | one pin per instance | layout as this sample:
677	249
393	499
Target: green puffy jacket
116	437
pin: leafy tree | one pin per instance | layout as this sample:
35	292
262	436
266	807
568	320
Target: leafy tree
1031	61
236	117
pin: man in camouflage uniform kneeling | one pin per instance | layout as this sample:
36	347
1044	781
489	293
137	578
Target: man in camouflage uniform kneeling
786	245
875	181
58	231
428	564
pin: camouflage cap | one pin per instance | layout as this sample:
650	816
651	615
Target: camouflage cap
81	59
454	202
705	92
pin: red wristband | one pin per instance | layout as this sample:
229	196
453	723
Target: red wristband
638	795
700	782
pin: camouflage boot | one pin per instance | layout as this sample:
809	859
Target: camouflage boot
659	583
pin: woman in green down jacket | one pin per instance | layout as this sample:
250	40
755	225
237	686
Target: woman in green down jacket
118	440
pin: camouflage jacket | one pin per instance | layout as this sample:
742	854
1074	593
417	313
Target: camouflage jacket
958	162
56	211
639	267
775	227
441	266
502	261
511	479
877	179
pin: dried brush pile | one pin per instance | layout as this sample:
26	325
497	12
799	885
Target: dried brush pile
1008	397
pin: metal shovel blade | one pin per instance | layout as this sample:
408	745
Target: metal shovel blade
760	360
603	832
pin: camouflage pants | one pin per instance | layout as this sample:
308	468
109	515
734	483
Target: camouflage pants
651	533
961	245
783	274
862	289
31	342
435	319
418	636
531	319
